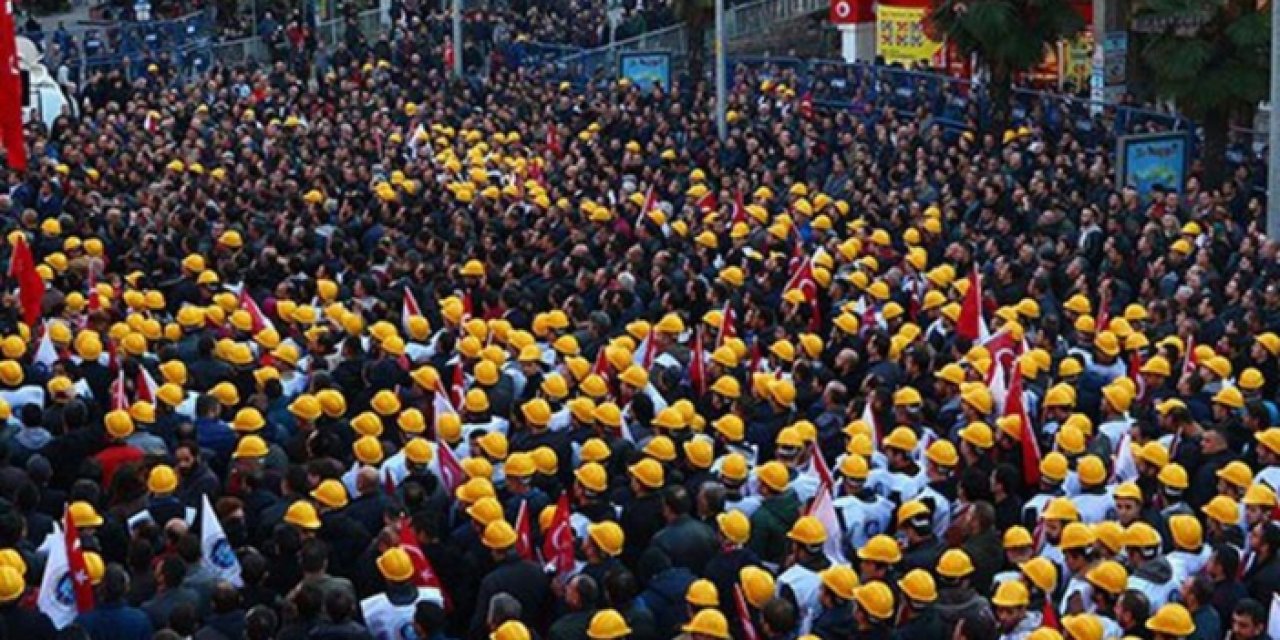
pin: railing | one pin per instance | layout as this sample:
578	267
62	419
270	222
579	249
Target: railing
255	50
954	103
183	43
741	21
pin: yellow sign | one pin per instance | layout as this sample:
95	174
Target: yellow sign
900	36
1077	59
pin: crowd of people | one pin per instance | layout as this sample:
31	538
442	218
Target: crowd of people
384	354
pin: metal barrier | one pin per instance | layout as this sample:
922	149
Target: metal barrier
330	32
954	103
182	43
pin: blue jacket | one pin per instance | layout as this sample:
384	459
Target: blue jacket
116	621
665	598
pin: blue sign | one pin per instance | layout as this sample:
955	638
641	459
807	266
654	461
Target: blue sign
646	69
1154	160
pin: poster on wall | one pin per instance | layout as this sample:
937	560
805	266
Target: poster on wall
646	69
900	37
1153	160
1077	59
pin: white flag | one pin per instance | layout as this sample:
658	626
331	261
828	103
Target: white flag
825	511
46	354
216	553
1273	620
57	594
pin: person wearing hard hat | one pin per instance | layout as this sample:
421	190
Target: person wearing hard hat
118	452
922	546
522	579
873	611
18	621
536	418
390	612
641	515
1011	600
801	581
957	599
834	618
863	512
918	614
519	491
1171	622
778	512
1079	556
161	505
1149	571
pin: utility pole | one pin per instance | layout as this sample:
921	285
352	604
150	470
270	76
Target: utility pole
457	38
1273	130
722	127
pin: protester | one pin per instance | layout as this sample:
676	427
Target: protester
340	347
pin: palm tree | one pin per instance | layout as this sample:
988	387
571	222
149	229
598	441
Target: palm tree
1009	36
1212	59
697	16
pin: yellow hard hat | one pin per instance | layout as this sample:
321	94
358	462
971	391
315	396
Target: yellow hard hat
808	530
330	493
1011	593
882	549
607	536
1172	619
918	586
1041	572
708	622
302	514
954	563
875	599
607	624
1110	576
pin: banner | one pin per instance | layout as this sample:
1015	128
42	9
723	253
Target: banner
1148	161
645	70
900	36
1077	59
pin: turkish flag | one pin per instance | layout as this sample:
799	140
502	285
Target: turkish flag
971	324
698	365
1013	406
408	308
557	541
76	567
259	319
728	325
450	471
744	615
424	574
739	209
524	532
22	268
11	133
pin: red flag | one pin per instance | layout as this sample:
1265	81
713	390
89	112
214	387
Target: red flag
698	365
22	267
119	393
388	482
553	139
753	365
820	467
11	133
557	541
601	366
145	386
424	575
1049	617
824	510
94	302
1135	373
458	386
806	105
524	532
451	474
739	209
650	350
448	55
408	308
468	310
650	203
260	319
706	202
1013	406
537	174
1104	312
971	324
744	615
76	567
728	325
